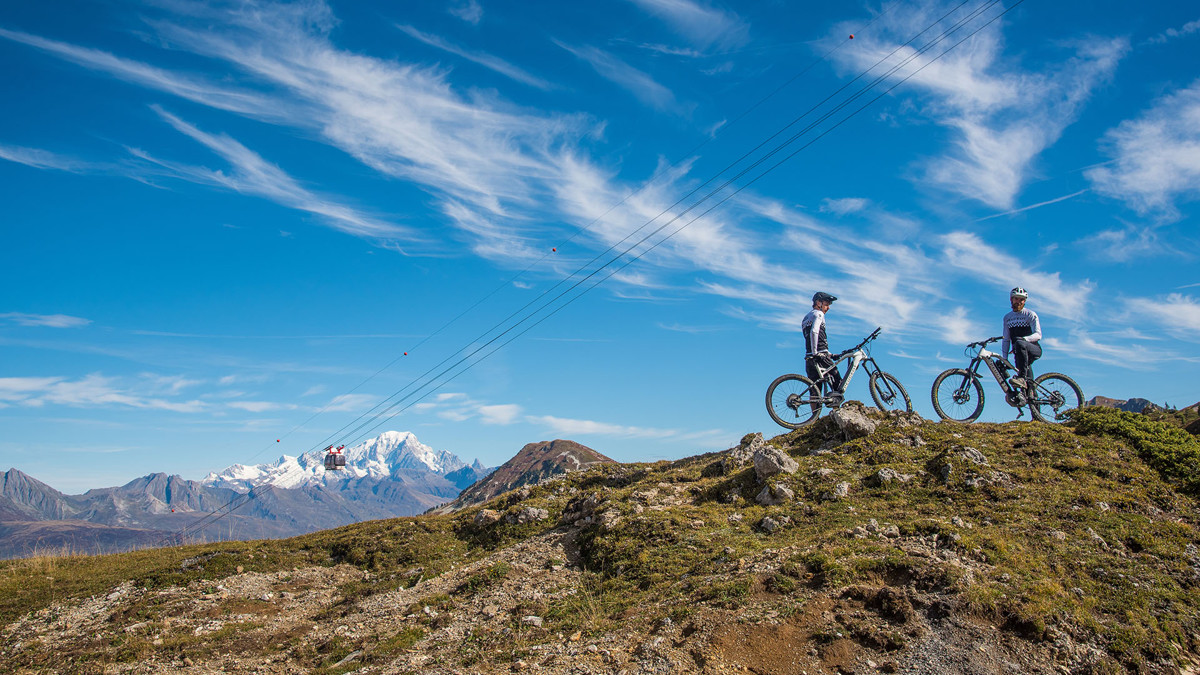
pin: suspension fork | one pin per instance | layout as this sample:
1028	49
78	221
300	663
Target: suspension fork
973	369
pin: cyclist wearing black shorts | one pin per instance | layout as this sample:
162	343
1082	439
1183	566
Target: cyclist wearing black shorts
1023	331
816	345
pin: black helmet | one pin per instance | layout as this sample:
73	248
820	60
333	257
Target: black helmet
822	296
1018	292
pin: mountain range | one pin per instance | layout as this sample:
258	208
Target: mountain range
391	475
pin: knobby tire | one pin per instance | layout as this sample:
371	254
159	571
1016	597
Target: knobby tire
888	392
1061	392
803	394
944	388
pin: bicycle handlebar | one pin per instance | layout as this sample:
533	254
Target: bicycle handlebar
984	343
860	345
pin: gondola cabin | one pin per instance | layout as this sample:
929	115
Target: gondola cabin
334	459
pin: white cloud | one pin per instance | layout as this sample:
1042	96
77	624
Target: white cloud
192	88
1121	245
259	406
350	403
1172	33
253	175
486	60
469	10
45	320
1157	155
499	414
1048	292
703	25
43	159
573	427
842	207
1002	117
640	84
89	391
1177	313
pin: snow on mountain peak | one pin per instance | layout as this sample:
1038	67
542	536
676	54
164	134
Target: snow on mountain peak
386	455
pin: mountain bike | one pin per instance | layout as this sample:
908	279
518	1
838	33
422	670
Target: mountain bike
958	393
795	401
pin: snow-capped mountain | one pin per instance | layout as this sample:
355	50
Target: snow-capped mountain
390	455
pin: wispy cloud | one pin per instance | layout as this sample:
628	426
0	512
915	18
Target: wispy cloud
1177	313
1002	117
259	406
573	427
350	403
1156	156
90	391
186	86
1172	33
488	61
643	87
43	159
701	24
844	206
252	174
46	320
467	10
1031	207
975	257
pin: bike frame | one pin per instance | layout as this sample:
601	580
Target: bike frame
858	357
991	359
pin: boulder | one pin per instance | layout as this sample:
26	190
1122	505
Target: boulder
770	461
486	517
853	421
775	494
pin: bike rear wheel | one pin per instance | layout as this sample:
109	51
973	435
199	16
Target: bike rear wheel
957	395
793	401
888	393
1054	395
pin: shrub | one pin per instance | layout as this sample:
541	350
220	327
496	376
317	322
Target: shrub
1171	451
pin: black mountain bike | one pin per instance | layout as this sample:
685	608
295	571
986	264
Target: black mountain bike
795	401
958	393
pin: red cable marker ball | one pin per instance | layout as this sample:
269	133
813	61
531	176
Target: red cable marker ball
554	250
851	37
406	353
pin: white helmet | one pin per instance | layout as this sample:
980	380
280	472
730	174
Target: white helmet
1018	292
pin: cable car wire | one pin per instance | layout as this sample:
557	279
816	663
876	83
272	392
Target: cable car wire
254	492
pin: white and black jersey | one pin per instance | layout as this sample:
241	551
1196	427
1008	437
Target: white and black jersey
1024	325
813	326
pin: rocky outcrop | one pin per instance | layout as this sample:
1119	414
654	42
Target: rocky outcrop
533	464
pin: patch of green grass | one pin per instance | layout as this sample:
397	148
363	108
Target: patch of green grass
1173	452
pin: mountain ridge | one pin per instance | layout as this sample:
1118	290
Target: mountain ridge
863	543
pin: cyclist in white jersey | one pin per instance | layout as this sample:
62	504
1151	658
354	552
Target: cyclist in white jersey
1023	333
815	343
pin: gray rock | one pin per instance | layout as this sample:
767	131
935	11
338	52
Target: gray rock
535	621
770	461
972	455
528	514
775	494
853	422
838	492
739	456
487	517
769	524
884	476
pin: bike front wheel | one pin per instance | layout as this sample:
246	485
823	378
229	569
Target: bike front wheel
957	395
888	393
1054	395
793	401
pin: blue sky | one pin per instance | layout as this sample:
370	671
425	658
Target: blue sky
223	221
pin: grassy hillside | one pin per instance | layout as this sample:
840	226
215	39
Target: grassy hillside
1017	547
